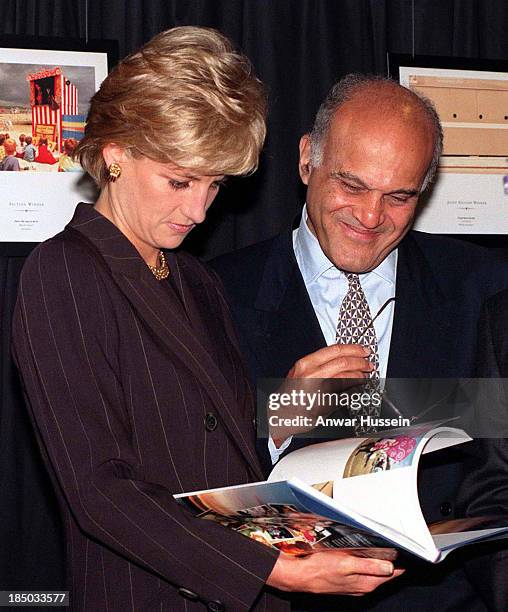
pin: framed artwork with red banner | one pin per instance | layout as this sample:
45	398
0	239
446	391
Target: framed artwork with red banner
45	91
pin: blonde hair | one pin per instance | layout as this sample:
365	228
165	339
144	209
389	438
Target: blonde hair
10	146
185	97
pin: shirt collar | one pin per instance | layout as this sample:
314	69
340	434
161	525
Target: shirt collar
313	263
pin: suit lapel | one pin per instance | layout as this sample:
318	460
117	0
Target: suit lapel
195	301
420	339
161	312
287	326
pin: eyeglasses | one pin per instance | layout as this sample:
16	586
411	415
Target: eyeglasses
386	399
379	312
415	417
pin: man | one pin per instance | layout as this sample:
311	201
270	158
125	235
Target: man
373	149
484	490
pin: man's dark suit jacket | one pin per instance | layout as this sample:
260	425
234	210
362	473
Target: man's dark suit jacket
485	488
440	287
137	392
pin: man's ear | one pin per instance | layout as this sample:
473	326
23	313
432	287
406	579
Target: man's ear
304	165
113	153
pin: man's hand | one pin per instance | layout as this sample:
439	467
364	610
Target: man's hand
334	361
347	363
331	572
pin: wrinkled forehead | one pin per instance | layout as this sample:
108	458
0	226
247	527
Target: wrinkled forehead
381	117
389	149
400	124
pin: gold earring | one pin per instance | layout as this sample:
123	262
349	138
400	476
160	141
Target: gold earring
114	171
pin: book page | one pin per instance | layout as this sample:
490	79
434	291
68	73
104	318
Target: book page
316	463
286	517
375	477
335	459
451	534
381	476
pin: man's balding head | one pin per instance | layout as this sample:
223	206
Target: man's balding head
376	97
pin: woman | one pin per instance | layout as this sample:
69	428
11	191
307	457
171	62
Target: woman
126	348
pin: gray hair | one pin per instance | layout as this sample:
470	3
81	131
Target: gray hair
343	91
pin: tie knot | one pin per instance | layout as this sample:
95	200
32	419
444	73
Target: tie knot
353	279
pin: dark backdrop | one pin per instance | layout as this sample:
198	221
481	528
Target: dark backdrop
299	49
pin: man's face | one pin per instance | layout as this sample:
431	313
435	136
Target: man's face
362	199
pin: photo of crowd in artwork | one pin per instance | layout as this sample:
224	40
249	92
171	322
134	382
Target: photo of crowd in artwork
42	115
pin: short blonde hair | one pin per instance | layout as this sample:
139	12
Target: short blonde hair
185	97
10	146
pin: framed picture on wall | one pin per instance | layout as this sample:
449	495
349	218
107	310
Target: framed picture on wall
45	91
470	193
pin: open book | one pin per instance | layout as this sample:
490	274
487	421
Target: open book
356	493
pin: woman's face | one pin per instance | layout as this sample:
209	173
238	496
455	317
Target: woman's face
157	204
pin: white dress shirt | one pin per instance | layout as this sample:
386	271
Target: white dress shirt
327	287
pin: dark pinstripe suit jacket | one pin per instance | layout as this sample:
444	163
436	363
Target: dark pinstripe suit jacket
121	377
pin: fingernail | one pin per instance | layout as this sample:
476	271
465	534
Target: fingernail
387	569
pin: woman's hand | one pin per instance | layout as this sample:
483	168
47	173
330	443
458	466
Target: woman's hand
332	572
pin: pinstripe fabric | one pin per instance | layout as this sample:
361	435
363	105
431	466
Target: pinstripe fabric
119	379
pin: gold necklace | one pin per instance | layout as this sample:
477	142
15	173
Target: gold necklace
162	271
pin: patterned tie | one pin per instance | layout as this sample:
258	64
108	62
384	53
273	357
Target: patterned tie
355	326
